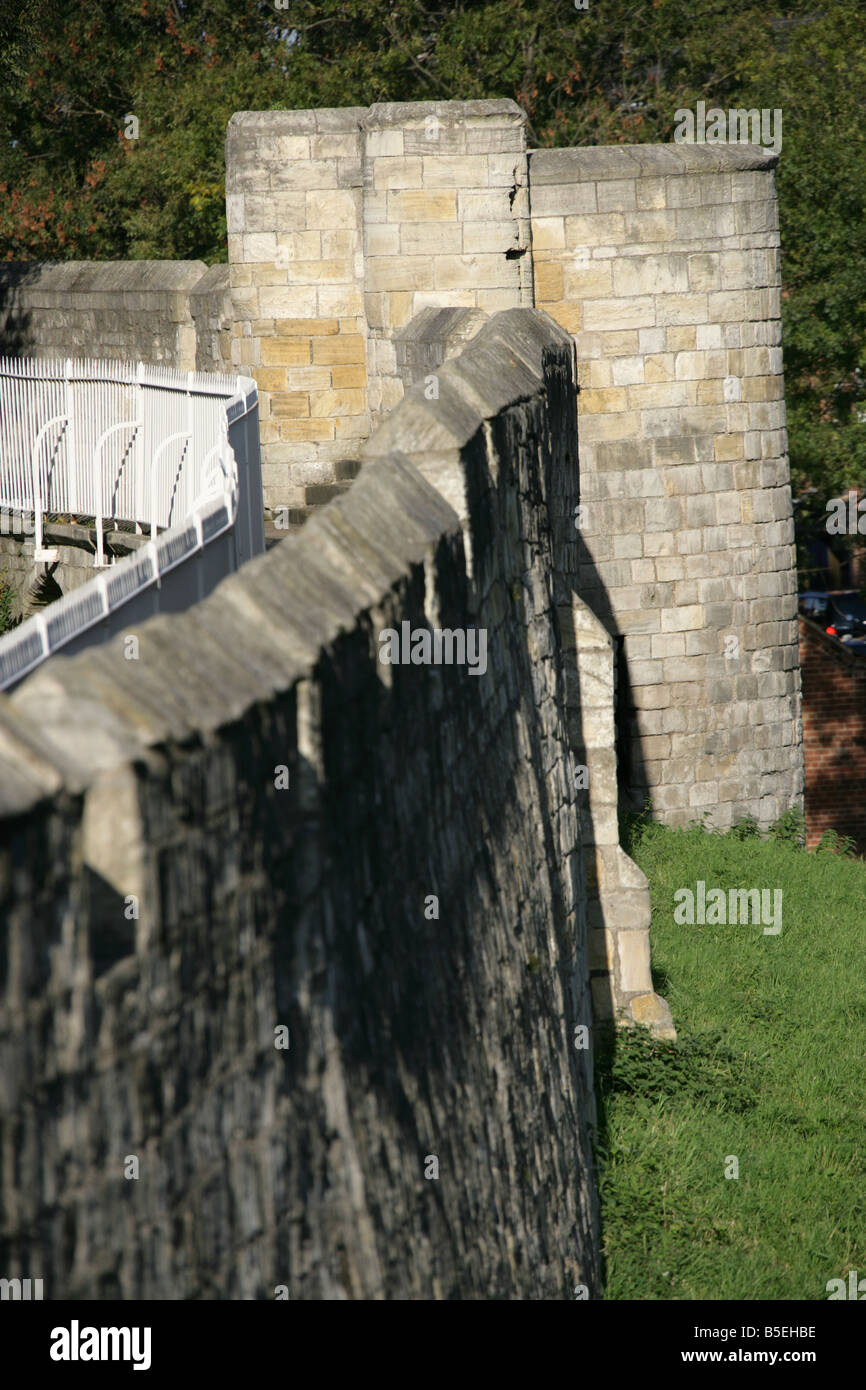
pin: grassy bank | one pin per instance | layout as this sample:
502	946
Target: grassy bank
770	1069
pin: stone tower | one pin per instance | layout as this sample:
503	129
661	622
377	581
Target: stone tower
663	264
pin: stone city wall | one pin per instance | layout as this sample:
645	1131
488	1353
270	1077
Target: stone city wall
247	823
349	228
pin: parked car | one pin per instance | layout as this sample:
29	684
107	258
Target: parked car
840	612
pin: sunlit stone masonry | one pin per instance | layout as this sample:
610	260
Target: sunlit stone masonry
662	262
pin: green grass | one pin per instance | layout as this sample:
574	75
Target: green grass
770	1067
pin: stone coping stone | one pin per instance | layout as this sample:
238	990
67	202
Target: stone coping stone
86	277
500	367
323	121
27	777
398	113
432	325
216	280
594	162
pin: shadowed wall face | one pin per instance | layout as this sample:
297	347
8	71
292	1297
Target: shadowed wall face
259	825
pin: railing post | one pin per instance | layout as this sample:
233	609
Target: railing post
99	558
42	629
154	476
140	502
39	552
71	440
188	461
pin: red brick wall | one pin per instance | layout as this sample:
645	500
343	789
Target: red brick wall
834	736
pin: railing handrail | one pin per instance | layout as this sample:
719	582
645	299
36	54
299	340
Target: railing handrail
149	555
35	486
119	373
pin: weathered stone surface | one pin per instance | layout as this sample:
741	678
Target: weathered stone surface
366	246
126	311
172	904
659	287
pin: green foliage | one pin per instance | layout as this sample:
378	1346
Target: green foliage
43	592
75	186
832	842
18	32
72	185
746	828
633	825
790	828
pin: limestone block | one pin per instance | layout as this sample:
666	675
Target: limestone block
699	222
492	206
492	301
750	186
306	431
298	177
633	949
639	312
334	145
382	239
331	210
497	237
399	273
616	195
642	275
340	349
456	171
548	234
293	405
600	229
650	194
652	1011
646	228
431	238
342	402
601	949
471	272
402	173
422	205
592	281
726	305
339	301
676	309
380	143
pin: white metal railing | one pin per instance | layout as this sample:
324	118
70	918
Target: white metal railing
168	462
108	440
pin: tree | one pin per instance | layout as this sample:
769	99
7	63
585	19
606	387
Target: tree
79	180
112	143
